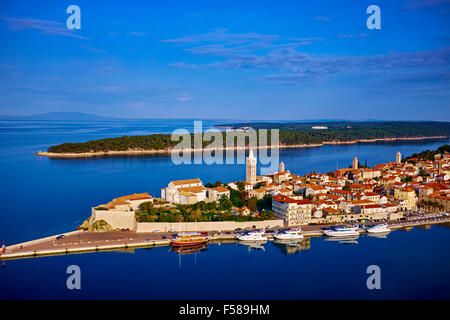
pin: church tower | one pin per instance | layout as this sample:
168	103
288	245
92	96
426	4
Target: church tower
398	157
250	168
355	163
281	169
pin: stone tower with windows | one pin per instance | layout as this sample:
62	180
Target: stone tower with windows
398	157
250	168
355	163
281	169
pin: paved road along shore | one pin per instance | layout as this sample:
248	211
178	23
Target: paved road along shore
82	241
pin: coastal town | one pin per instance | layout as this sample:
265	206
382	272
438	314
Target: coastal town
386	191
397	194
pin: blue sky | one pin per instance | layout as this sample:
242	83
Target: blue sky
283	60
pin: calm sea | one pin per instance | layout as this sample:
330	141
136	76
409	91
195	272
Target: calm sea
41	197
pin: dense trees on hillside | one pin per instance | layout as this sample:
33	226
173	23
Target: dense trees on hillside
411	127
200	211
429	155
290	134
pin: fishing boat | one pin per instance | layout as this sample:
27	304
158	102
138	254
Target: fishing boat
189	239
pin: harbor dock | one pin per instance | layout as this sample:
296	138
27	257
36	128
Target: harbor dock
79	241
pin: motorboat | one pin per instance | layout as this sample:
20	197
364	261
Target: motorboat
290	234
189	239
342	232
256	235
379	228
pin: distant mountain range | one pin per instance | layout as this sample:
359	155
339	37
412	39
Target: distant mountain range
79	116
60	116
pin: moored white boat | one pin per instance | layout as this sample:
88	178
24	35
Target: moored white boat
292	234
257	235
342	232
379	228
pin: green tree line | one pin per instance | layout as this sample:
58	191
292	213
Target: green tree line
429	154
290	134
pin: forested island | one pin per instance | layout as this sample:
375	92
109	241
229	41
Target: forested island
290	134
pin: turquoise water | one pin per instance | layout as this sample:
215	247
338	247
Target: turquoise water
42	196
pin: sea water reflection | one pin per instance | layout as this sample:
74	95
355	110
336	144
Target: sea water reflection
417	255
287	247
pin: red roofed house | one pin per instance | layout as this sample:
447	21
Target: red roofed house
120	212
279	177
214	194
370	209
315	190
344	193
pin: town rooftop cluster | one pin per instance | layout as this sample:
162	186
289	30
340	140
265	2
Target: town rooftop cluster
385	191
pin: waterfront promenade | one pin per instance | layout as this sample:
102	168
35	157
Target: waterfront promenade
83	241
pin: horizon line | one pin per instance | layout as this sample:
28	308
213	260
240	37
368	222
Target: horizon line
114	118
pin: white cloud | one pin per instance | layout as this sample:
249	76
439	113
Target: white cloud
44	26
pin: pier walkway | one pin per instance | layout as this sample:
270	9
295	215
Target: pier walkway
83	241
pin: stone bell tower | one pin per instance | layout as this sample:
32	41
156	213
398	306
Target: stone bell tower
250	168
355	163
281	169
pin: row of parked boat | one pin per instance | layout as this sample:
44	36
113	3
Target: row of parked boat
295	234
354	231
195	238
260	235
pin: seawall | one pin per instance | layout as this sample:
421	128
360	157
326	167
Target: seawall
204	226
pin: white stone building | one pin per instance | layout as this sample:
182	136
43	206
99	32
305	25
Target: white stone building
120	212
184	191
293	212
214	194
